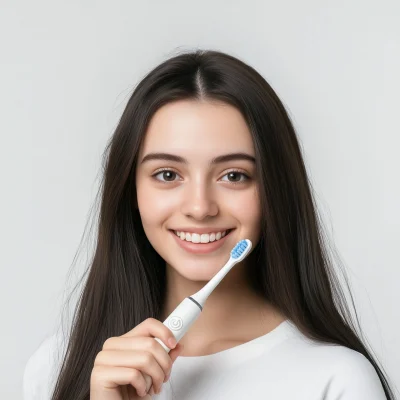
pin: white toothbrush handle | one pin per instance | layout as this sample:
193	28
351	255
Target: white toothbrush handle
179	321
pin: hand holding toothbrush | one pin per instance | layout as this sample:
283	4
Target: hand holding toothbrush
121	367
124	358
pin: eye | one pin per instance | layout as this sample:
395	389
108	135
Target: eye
234	174
166	173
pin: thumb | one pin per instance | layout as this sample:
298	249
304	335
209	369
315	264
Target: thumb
176	352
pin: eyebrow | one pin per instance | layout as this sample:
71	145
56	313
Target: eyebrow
216	160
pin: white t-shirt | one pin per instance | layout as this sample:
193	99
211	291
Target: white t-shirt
283	364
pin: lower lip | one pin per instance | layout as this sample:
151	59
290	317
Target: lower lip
200	248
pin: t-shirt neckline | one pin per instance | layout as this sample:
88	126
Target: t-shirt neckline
267	341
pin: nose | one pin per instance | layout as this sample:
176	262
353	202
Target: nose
199	201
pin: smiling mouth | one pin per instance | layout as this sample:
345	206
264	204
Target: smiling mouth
228	231
201	248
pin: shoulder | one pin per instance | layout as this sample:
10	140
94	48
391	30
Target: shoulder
341	372
354	377
41	369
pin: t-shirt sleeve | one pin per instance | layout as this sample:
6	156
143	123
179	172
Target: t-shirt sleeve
355	379
40	371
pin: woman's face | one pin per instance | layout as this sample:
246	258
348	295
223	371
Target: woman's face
185	196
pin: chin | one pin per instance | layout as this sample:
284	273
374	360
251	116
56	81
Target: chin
197	270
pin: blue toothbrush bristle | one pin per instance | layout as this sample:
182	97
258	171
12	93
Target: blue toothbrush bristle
239	249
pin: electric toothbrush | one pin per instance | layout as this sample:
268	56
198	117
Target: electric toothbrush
186	313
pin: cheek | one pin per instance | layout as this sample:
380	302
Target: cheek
154	207
246	207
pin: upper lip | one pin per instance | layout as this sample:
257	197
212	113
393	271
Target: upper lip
201	230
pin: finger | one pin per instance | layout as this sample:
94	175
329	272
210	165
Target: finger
140	360
132	394
105	377
141	344
174	354
154	328
151	386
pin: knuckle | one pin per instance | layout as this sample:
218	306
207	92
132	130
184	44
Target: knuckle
152	344
96	376
107	344
147	357
98	359
94	373
134	376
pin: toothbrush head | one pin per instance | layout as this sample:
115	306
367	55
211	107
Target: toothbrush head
240	251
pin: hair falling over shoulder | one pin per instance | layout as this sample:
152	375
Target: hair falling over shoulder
125	280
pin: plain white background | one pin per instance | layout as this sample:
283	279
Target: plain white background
67	70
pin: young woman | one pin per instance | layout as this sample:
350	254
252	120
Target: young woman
204	156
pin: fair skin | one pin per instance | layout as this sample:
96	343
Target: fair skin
198	195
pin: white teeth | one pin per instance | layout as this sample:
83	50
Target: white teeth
204	238
197	238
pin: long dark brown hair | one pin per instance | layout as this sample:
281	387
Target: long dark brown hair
125	280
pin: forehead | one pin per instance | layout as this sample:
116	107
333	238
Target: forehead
200	129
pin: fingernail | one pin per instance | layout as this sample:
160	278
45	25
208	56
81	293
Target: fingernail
172	342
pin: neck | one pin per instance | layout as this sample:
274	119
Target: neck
232	312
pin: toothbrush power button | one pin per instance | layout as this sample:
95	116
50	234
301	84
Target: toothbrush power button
175	323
